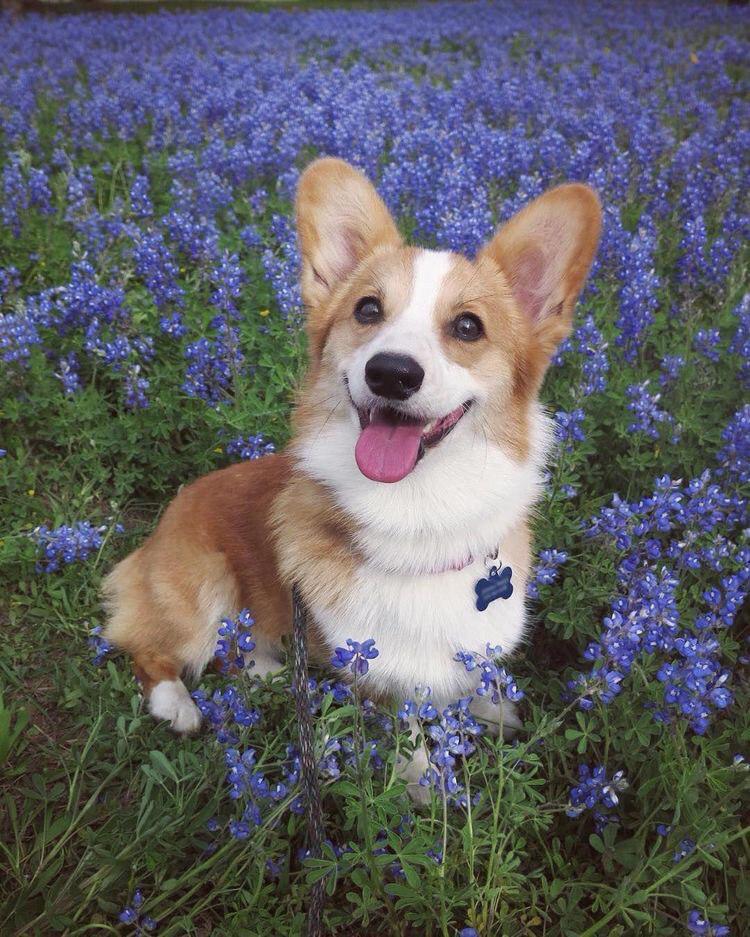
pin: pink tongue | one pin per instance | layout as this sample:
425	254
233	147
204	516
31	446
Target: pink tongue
387	450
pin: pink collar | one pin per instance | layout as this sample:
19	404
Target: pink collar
490	559
452	567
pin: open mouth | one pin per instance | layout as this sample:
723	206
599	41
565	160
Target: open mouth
391	443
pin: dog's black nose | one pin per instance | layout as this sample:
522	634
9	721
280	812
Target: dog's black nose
394	377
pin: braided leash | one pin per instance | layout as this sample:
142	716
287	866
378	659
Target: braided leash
308	762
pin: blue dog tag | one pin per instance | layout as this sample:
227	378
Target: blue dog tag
497	585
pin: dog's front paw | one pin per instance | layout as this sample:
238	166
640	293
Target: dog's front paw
499	717
419	794
171	701
412	770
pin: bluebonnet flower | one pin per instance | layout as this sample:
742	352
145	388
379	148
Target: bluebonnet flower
495	680
81	186
569	427
18	335
140	203
671	365
157	268
135	389
68	374
251	237
355	656
686	848
281	268
546	572
99	645
693	246
66	544
15	200
421	708
10	282
706	341
224	711
239	829
248	787
235	641
258	201
588	341
250	447
695	683
450	735
697	923
212	365
638	299
734	456
226	279
596	793
740	343
173	325
132	914
648	413
644	619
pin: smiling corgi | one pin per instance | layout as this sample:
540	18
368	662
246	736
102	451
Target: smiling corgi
418	452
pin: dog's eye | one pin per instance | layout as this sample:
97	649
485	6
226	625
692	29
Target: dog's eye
368	310
467	327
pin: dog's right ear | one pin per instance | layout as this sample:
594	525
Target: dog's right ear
340	220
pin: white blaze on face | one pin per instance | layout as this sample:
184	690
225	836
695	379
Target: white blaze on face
414	331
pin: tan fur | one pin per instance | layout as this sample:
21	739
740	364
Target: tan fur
341	220
211	550
240	536
544	253
318	550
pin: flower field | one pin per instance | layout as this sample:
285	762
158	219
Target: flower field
151	330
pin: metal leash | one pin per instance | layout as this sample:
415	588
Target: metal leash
308	761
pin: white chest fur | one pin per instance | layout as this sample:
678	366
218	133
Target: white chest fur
419	623
463	500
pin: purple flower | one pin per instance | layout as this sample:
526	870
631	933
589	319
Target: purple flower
569	428
250	447
697	923
132	915
596	793
705	342
355	655
66	544
547	571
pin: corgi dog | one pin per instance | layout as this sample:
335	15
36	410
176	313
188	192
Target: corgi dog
418	451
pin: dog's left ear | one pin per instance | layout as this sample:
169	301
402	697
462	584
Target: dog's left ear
340	220
545	252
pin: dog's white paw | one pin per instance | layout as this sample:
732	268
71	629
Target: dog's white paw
419	794
411	770
499	717
263	665
170	700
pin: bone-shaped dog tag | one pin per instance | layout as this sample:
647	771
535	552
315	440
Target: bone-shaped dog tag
497	585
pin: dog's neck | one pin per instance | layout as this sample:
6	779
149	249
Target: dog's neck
457	505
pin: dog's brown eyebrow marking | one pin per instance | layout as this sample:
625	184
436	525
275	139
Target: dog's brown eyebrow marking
462	300
473	299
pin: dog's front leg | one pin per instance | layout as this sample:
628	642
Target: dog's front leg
499	717
413	767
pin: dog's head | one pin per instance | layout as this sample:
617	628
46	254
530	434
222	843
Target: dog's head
412	350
